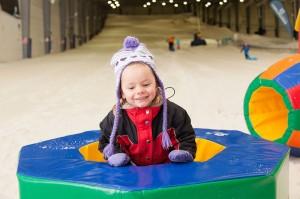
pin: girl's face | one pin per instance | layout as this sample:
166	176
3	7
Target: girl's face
138	85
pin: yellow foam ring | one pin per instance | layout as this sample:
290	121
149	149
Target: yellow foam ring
294	140
279	67
297	24
268	113
207	149
90	152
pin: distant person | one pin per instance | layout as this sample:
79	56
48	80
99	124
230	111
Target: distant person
177	43
260	31
171	41
245	49
143	128
198	41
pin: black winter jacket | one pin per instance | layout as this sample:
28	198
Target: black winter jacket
139	133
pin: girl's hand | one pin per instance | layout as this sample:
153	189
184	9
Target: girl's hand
180	156
118	159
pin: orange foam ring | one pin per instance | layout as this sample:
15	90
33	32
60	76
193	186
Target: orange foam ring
280	67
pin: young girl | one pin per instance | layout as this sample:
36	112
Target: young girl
143	128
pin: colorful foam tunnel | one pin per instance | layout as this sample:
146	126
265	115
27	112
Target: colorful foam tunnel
272	104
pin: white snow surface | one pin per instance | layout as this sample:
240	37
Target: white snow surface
66	93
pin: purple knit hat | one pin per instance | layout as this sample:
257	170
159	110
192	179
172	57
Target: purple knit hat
134	51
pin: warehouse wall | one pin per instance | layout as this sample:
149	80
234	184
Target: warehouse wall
10	37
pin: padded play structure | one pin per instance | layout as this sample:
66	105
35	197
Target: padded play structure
272	103
228	164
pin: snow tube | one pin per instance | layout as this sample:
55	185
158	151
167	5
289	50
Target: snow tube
272	104
71	167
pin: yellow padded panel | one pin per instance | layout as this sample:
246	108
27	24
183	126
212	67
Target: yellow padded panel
268	113
207	149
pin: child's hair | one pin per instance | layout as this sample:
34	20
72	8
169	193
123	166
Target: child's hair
134	51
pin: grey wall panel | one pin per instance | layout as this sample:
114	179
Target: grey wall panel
36	28
10	38
55	27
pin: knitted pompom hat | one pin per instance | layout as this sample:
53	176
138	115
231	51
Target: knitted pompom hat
134	51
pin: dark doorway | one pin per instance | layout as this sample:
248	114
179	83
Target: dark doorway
10	6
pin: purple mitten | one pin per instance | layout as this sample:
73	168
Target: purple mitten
118	159
180	156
